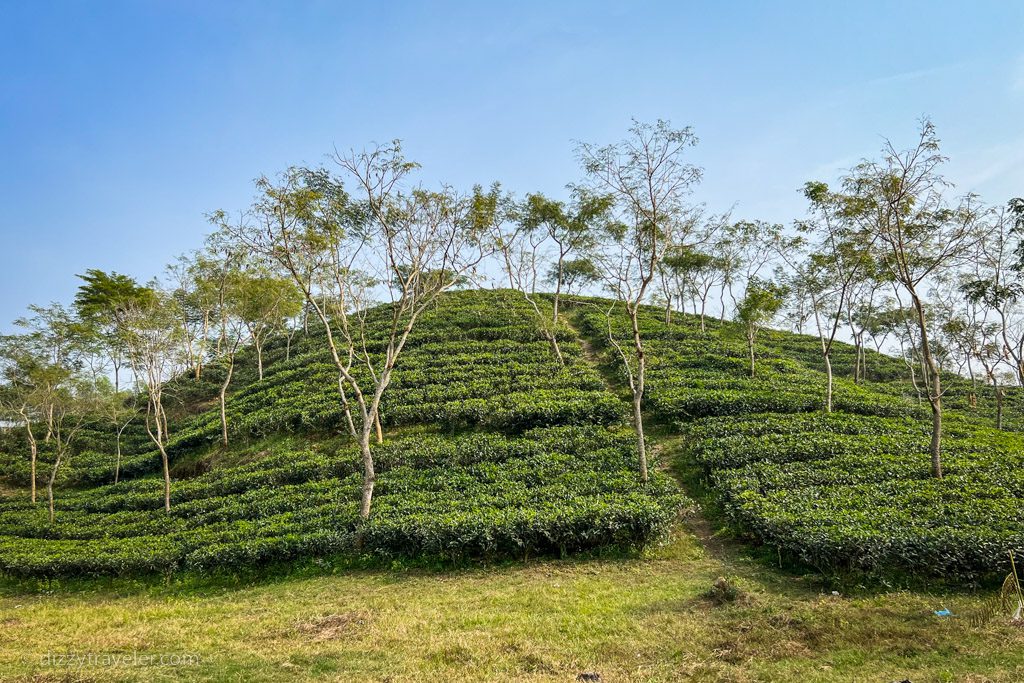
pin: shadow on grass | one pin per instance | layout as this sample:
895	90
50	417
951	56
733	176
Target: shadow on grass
386	570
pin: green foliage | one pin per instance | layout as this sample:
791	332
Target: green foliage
522	457
553	490
851	490
844	492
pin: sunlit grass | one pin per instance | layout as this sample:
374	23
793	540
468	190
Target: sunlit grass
640	619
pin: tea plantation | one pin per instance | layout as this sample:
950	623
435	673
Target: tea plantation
494	450
837	492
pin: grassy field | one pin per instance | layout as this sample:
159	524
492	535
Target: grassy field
634	619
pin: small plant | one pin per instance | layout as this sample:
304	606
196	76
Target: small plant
1009	598
1012	592
723	591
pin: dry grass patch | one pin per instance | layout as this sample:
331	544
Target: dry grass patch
334	626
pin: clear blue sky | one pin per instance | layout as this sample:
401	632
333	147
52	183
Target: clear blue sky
122	124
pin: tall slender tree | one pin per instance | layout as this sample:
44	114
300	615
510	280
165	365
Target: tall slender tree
152	334
761	302
826	261
406	245
650	181
571	228
903	205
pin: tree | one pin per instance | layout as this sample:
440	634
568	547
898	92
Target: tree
28	379
866	312
120	408
72	404
407	245
829	269
196	279
688	273
743	250
44	379
264	302
761	302
250	301
575	274
917	232
520	242
994	281
677	270
570	227
101	302
150	328
649	180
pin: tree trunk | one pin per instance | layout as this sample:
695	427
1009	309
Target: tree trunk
936	446
52	479
999	405
33	448
856	360
934	389
828	391
259	359
369	477
863	359
117	462
558	292
641	446
638	394
203	345
553	338
155	409
223	402
378	428
49	424
346	406
668	309
750	348
167	479
34	452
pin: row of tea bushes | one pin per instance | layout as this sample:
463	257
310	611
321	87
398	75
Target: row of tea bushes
553	490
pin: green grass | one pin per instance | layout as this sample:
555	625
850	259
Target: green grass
632	619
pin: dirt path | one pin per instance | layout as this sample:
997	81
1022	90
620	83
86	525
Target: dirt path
663	450
594	357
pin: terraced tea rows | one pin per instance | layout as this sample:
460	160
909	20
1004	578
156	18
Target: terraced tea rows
505	453
850	490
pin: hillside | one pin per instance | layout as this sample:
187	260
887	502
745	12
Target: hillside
494	450
850	490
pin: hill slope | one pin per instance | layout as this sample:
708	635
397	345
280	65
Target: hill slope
495	450
849	490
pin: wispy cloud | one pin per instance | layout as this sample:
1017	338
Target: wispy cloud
993	171
915	75
1017	78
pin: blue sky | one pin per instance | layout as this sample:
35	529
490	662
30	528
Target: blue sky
122	124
